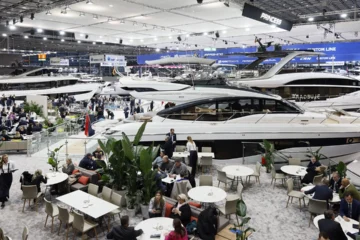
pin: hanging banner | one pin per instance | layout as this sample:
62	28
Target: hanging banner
115	60
59	62
258	14
42	57
97	59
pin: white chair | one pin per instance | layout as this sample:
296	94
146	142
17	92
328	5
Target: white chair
179	188
93	189
205	162
238	195
221	177
83	226
316	207
30	193
116	200
206	149
25	233
229	208
65	217
205	180
275	176
180	148
52	211
293	194
106	194
294	161
256	173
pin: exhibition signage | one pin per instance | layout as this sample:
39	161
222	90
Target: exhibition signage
258	14
108	60
59	62
42	57
97	59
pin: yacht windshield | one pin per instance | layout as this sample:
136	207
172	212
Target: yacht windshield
292	104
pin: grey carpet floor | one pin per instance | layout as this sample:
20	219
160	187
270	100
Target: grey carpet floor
266	207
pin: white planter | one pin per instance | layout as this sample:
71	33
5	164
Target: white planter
131	212
145	211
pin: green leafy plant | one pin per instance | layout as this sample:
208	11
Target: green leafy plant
53	160
33	107
269	154
277	47
341	169
241	228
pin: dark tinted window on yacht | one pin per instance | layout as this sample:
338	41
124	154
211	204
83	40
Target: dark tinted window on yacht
139	89
325	81
36	85
224	110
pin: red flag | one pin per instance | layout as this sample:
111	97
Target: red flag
87	124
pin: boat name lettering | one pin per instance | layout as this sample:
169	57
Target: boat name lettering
270	18
306	96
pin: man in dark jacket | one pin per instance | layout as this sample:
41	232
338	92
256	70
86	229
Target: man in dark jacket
172	137
332	228
207	224
88	163
349	207
168	147
322	191
124	232
335	182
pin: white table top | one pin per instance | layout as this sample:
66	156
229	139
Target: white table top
207	194
55	178
95	209
237	170
200	154
159	225
294	170
170	180
346	226
335	199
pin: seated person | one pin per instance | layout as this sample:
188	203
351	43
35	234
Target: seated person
167	164
98	153
17	136
88	163
179	232
311	173
178	168
335	182
181	210
331	227
37	179
29	129
124	232
322	191
313	164
68	167
207	225
4	136
158	178
347	187
21	130
349	207
158	161
157	206
37	127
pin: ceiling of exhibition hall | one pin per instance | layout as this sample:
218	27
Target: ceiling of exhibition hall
185	24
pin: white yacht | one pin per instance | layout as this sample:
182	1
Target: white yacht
234	125
44	81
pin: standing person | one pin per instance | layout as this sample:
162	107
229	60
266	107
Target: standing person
110	114
157	206
132	106
151	106
126	111
6	169
172	136
191	148
179	232
168	147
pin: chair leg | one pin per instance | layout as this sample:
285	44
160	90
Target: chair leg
272	180
52	224
95	233
258	178
74	233
24	204
288	201
29	202
36	205
67	231
292	199
300	204
82	236
219	184
59	228
304	202
274	183
46	220
310	219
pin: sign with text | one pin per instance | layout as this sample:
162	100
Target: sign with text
115	60
42	57
258	14
59	62
97	59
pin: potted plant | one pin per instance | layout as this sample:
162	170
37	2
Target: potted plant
241	230
53	159
268	155
33	107
277	47
341	169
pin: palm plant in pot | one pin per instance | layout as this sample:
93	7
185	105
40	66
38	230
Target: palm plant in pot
268	155
341	169
53	159
241	229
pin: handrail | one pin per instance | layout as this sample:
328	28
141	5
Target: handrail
261	118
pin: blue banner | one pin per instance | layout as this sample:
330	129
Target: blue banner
334	52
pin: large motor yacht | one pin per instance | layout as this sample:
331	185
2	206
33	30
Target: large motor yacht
235	125
46	81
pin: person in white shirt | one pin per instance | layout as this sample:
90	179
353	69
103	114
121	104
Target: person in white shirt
191	148
6	169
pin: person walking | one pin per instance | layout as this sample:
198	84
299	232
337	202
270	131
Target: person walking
6	169
191	148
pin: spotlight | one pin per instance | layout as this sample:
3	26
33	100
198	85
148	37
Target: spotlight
311	19
94	43
44	38
344	15
62	33
217	35
86	36
32	16
39	30
199	1
7	23
121	41
4	35
324	11
62	40
14	21
26	37
179	38
307	36
21	19
12	27
78	41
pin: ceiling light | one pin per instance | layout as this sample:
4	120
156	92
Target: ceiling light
4	34
247	29
103	43
187	35
170	37
141	40
62	40
78	41
94	43
82	14
81	34
26	37
205	33
224	31
110	5
62	33
89	2
158	50
12	27
117	39
48	13
95	16
100	36
311	19
155	39
344	15
243	46
177	48
44	38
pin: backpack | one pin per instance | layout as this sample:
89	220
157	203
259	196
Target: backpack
191	227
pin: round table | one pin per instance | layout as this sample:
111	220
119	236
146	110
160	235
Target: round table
335	199
237	170
55	178
346	226
158	225
207	194
294	170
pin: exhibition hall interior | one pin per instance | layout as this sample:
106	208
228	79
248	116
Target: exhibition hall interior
180	120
